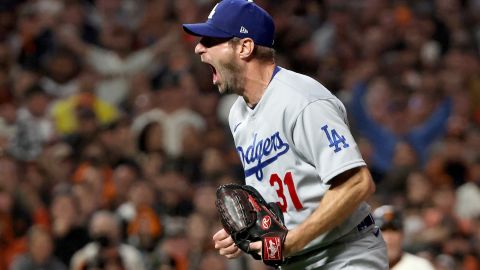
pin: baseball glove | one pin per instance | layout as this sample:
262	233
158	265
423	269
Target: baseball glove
247	217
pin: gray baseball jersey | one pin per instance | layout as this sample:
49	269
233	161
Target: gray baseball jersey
292	144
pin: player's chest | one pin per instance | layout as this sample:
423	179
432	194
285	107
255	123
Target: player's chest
261	144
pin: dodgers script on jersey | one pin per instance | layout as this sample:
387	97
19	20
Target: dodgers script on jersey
292	143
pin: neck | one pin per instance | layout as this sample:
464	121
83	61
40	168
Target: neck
257	78
393	262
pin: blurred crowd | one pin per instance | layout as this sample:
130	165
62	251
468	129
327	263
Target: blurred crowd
113	138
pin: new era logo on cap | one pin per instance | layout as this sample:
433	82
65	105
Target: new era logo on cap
236	18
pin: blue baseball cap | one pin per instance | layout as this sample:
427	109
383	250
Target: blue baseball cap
236	18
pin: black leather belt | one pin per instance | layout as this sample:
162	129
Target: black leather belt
365	223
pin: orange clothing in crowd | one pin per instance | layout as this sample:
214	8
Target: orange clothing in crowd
146	217
108	187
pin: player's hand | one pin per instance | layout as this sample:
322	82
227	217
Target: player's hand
225	245
257	246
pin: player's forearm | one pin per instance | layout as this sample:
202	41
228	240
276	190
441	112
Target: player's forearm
337	204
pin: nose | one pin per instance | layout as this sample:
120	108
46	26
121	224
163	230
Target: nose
199	48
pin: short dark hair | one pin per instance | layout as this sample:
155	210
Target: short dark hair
34	90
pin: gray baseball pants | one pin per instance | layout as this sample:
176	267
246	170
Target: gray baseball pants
358	250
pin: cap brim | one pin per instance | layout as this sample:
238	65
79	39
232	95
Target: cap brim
205	30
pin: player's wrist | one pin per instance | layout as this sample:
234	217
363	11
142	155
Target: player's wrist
291	244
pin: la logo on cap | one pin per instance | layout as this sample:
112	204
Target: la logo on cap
236	18
212	12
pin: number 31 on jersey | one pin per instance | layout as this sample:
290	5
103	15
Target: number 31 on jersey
278	183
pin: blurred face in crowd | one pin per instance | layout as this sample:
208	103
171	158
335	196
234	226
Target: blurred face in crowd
62	67
192	142
117	38
197	229
213	162
394	240
107	6
87	199
123	177
141	194
7	21
443	199
418	188
94	153
40	245
73	14
87	120
29	22
404	155
221	56
9	173
104	224
8	111
154	137
6	202
204	199
37	104
63	207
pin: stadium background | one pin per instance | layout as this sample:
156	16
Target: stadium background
104	107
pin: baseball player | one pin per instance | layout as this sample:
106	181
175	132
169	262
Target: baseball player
293	139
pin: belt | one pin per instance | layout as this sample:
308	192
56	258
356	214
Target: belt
365	223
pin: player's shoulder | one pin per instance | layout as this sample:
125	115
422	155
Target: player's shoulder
298	91
300	87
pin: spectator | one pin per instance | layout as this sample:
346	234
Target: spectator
176	120
34	128
61	78
68	233
116	61
35	35
119	141
143	226
125	175
94	168
385	140
40	252
106	250
391	224
468	195
72	114
88	200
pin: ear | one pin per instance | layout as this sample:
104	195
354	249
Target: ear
246	46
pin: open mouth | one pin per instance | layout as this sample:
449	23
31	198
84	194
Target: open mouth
215	76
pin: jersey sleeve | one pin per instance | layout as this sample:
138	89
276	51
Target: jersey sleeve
322	135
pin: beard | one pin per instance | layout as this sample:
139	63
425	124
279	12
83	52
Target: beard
232	77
